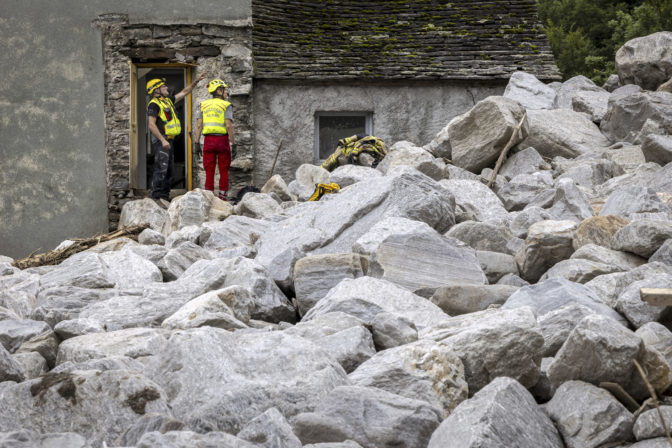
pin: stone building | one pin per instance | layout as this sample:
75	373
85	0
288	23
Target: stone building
301	73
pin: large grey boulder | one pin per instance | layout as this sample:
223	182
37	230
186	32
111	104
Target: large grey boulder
610	286
191	209
315	275
150	236
462	299
557	324
478	136
25	438
14	331
366	297
585	171
333	225
143	212
476	199
573	87
390	330
188	439
601	350
10	369
570	203
407	154
440	144
496	265
214	309
502	414
276	185
493	343
191	234
416	257
632	199
646	61
33	364
547	243
578	270
529	91
642	237
72	401
522	220
620	261
657	337
257	205
526	161
587	415
423	370
482	236
628	114
657	148
178	259
84	269
217	380
133	343
235	236
351	174
371	417
65	302
663	254
626	157
648	425
592	103
562	132
637	311
270	430
67	329
343	336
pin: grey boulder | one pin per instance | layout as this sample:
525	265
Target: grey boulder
270	430
587	415
547	243
529	91
502	414
648	425
646	61
643	237
423	370
371	417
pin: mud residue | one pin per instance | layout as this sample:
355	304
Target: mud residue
139	400
67	389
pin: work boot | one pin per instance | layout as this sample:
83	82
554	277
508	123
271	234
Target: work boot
223	195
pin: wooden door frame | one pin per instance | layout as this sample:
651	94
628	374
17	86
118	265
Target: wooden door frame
133	128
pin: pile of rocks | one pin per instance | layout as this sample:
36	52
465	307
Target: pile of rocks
416	307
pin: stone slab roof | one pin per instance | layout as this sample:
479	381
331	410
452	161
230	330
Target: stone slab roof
391	39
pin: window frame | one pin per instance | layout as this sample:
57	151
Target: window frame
368	127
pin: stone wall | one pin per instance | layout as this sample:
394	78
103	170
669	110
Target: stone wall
221	51
408	110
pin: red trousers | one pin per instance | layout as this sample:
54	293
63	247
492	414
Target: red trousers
216	151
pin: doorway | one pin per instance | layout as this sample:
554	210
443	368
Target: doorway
177	76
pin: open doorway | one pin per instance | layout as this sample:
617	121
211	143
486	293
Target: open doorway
142	161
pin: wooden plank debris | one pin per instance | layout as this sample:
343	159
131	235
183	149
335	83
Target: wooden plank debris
80	244
656	296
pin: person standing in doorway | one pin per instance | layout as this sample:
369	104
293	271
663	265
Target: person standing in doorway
215	120
164	126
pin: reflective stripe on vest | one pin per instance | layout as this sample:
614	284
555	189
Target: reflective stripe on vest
214	120
173	126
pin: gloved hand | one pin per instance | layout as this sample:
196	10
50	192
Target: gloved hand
199	150
234	151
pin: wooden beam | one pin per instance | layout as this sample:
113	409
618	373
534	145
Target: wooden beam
656	296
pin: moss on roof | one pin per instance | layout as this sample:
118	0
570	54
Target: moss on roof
392	39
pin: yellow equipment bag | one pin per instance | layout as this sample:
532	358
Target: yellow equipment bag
322	189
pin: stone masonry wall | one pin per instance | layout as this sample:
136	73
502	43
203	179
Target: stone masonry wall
222	51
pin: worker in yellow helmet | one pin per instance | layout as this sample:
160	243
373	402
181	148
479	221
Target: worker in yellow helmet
164	126
214	119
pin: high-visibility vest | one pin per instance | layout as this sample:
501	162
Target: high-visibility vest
172	126
214	120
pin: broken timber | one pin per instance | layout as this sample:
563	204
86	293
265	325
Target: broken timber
81	244
508	146
656	296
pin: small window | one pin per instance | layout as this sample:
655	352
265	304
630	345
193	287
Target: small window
330	127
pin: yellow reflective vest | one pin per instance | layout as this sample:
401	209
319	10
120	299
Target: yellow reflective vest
172	126
214	111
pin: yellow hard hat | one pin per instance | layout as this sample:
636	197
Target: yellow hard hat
155	84
216	84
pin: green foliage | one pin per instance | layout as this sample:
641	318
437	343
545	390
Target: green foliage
585	34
